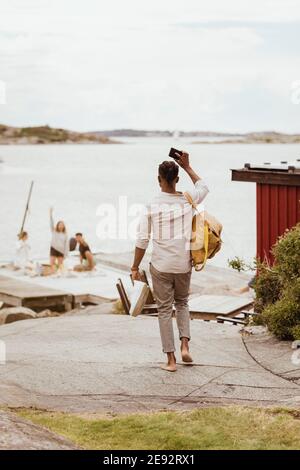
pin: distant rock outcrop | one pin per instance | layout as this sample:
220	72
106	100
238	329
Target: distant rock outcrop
266	137
257	138
47	135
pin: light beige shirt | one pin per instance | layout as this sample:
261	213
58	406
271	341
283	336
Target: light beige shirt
59	240
168	221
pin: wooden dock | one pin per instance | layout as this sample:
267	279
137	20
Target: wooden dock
75	288
209	307
65	293
17	293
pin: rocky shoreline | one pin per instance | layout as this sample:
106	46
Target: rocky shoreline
38	135
256	138
47	135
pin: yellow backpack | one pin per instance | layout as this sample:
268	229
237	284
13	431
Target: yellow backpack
206	236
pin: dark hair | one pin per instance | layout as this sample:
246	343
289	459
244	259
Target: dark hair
79	234
168	171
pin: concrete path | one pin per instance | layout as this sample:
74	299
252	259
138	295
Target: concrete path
110	363
18	434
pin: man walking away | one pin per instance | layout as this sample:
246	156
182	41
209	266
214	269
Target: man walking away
169	220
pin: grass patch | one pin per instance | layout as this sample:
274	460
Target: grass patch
44	133
206	428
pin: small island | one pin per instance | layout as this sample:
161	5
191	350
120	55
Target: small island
254	138
48	135
207	137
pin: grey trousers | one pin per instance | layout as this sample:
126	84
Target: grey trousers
171	289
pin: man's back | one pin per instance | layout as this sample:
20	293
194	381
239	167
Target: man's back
169	219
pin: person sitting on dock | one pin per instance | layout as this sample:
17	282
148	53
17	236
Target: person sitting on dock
87	262
59	243
22	257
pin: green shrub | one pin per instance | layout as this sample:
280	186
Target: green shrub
44	133
277	288
296	332
237	263
283	317
287	255
267	286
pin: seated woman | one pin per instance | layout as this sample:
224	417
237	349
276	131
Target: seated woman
59	243
22	256
87	262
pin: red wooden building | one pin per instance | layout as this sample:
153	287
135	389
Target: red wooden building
277	200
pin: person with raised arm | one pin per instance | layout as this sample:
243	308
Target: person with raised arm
59	248
168	220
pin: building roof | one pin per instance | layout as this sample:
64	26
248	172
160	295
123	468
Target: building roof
283	173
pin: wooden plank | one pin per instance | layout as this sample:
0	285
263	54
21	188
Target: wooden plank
265	228
150	298
144	278
292	206
94	299
123	297
100	283
16	293
259	222
274	216
17	288
89	298
206	316
211	316
247	313
79	299
234	321
11	300
51	301
220	304
150	308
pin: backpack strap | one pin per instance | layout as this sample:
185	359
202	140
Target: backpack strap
189	198
206	231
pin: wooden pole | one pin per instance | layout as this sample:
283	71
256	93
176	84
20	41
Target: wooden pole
27	207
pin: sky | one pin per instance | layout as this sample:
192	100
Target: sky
216	65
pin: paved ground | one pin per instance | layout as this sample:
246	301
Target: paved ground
110	363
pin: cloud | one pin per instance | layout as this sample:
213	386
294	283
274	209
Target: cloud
96	64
